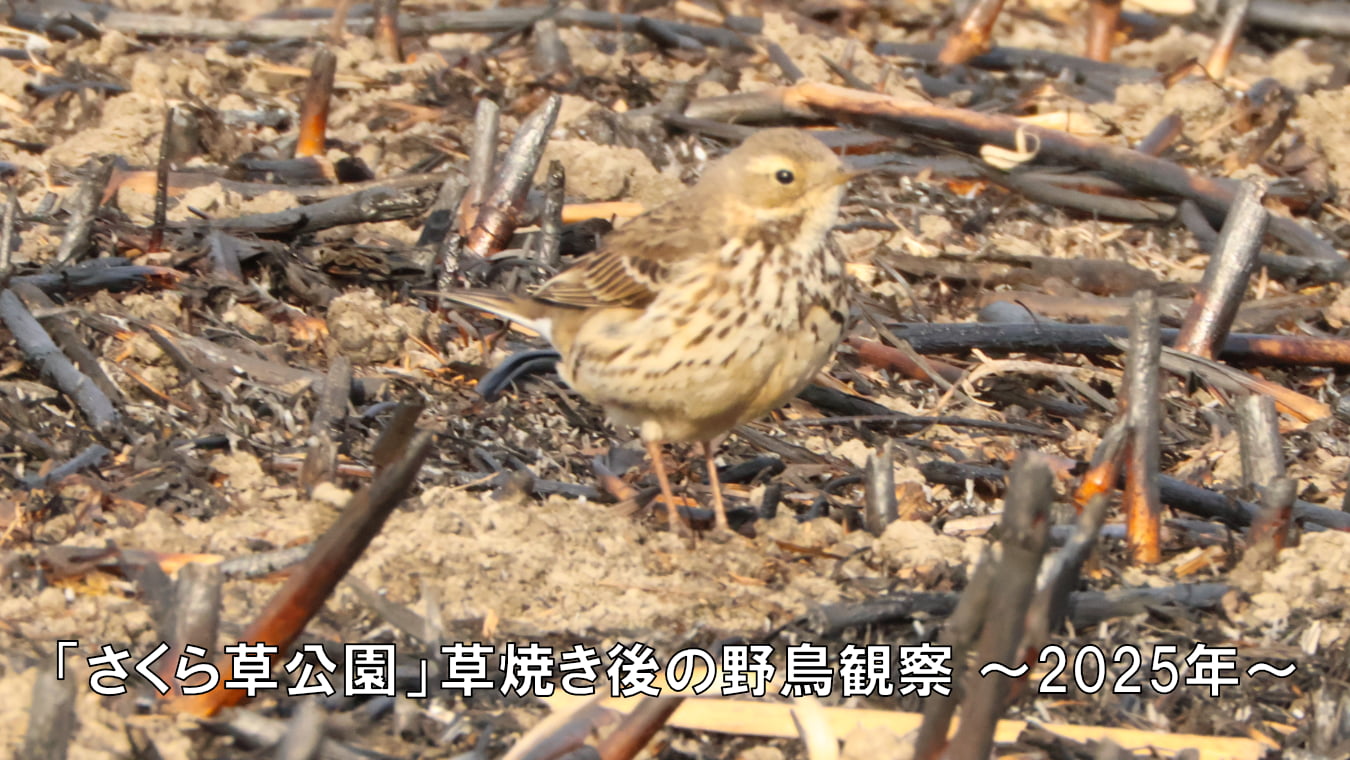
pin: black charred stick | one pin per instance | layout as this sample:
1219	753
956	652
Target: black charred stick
78	237
314	105
65	335
880	505
1259	435
387	39
666	37
1103	75
959	632
1227	274
791	71
974	34
1024	534
482	160
1141	388
1096	204
1103	19
504	203
92	456
1096	340
162	168
1234	19
379	204
547	248
38	348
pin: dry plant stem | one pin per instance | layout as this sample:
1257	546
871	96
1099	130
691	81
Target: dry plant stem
314	105
1259	435
880	506
195	617
808	714
1103	18
7	229
387	39
974	34
637	728
1124	165
1142	503
1223	377
51	718
333	555
162	168
64	334
482	160
505	199
79	234
1234	18
1025	529
959	633
321	458
39	349
1227	274
1163	135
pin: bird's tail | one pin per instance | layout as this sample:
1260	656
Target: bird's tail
519	309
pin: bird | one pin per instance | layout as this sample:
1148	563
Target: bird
707	311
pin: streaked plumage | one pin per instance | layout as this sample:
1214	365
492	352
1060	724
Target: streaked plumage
709	310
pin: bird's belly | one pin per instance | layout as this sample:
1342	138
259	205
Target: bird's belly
707	377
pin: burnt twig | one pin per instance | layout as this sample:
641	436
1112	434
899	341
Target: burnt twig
974	33
497	218
38	348
333	555
314	105
79	234
1226	277
1143	508
1024	532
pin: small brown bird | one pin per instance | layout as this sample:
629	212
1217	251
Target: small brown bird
707	311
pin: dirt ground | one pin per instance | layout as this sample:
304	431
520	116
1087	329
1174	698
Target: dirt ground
214	472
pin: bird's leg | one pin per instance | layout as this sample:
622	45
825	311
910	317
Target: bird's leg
672	511
719	506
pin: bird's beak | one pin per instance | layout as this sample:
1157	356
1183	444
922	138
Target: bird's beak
848	176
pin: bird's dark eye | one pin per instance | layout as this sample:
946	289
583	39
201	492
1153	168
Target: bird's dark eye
784	177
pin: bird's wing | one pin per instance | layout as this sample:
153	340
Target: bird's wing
635	260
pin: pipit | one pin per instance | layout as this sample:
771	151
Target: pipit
707	311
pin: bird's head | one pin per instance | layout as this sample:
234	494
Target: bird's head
781	173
